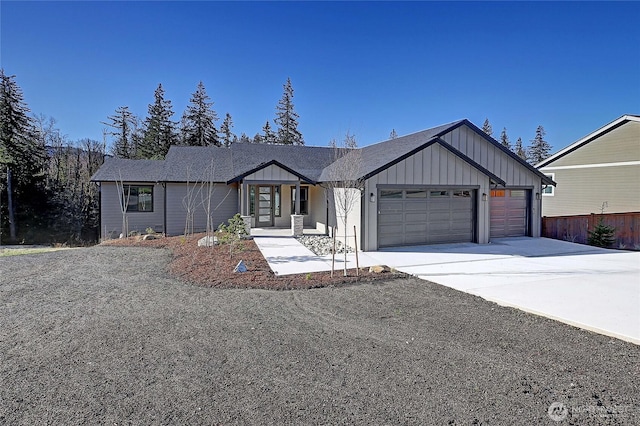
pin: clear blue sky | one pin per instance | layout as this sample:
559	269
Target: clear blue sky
364	67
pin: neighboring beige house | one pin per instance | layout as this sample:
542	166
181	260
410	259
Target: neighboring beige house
447	184
601	169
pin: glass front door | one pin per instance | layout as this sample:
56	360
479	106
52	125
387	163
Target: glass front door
265	207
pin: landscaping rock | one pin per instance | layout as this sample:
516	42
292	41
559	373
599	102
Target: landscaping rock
322	244
149	237
208	241
377	269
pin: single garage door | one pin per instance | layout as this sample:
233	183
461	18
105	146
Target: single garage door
509	212
425	216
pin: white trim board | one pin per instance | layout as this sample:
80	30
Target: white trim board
589	166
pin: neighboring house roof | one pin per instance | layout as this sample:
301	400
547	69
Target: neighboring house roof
590	137
119	169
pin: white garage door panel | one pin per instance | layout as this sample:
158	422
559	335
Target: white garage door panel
424	216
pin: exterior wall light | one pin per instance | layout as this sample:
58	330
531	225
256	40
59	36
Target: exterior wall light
372	197
537	196
484	196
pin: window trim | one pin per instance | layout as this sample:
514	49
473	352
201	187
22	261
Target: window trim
304	202
552	189
126	190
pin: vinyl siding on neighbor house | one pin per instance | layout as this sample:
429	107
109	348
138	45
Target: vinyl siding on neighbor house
606	169
434	166
111	215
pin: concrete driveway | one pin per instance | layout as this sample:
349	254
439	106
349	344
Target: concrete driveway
591	288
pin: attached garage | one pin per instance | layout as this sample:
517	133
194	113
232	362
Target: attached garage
425	216
509	212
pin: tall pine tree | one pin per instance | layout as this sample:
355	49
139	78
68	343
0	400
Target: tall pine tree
22	157
287	118
486	127
504	139
159	133
199	120
226	134
540	148
520	150
122	124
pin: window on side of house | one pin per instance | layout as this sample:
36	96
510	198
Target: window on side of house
548	190
304	200
139	198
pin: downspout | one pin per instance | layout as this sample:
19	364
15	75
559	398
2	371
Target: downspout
164	213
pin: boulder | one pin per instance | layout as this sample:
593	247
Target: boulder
208	241
377	269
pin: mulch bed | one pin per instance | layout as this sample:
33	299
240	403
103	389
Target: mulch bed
213	266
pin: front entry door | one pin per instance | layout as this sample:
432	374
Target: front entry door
265	207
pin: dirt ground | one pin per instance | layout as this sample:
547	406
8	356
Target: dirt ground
214	266
104	335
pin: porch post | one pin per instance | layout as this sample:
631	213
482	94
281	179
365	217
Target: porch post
297	208
244	207
244	203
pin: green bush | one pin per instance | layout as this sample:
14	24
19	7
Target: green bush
235	226
602	235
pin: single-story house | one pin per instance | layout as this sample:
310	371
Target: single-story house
451	183
602	167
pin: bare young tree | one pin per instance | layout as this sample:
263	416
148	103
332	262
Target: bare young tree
208	189
344	182
189	202
124	203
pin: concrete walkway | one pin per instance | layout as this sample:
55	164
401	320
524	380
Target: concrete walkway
591	288
287	256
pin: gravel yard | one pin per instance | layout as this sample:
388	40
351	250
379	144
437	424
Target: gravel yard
104	335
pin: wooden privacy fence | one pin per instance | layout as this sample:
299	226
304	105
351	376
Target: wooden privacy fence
576	228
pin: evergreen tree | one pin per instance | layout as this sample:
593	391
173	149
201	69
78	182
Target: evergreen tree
540	148
268	136
198	120
122	123
486	127
22	157
244	138
393	134
159	133
258	138
520	150
504	139
287	119
226	135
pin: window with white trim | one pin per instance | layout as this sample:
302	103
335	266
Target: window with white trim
549	190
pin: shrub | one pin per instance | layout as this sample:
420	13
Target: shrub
602	235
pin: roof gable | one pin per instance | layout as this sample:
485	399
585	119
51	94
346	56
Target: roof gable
589	138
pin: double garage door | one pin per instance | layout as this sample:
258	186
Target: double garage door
425	216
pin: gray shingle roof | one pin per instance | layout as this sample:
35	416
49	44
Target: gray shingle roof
316	164
115	169
196	163
382	154
307	161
